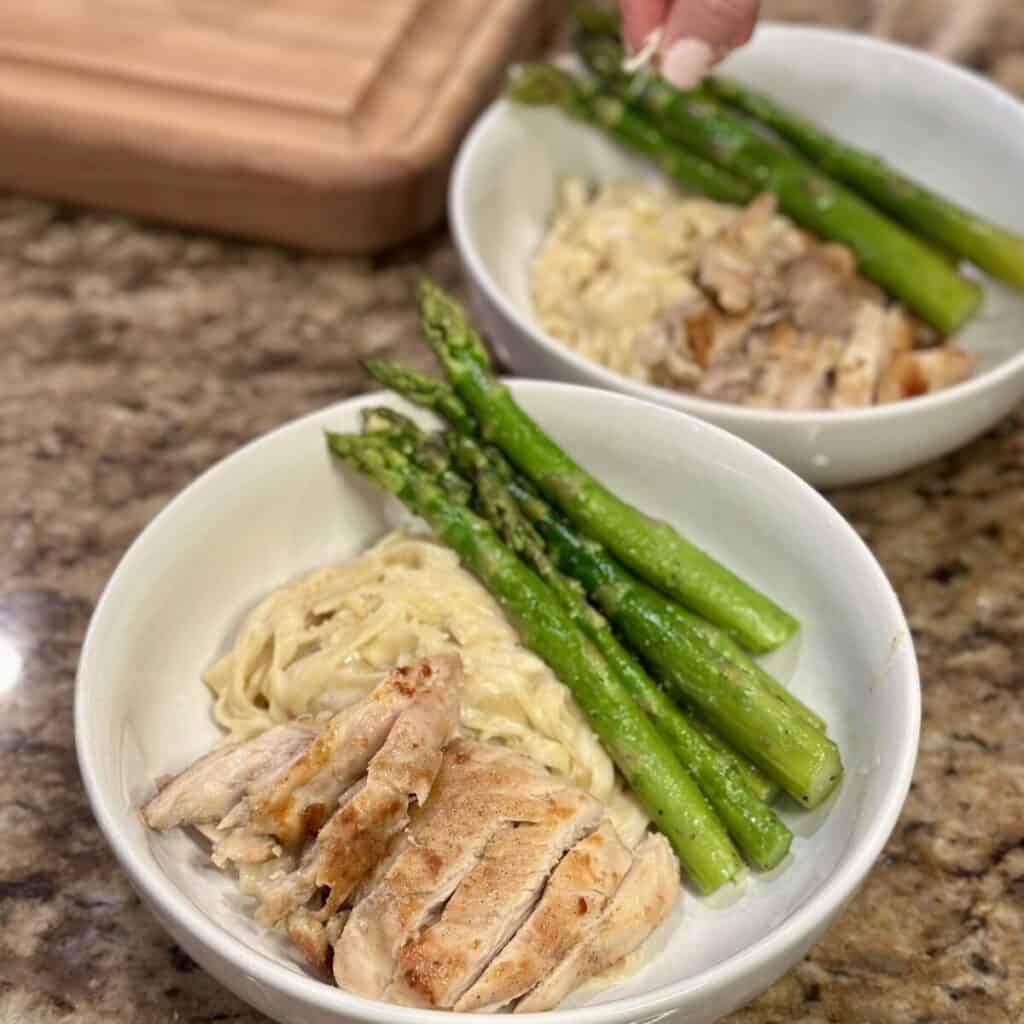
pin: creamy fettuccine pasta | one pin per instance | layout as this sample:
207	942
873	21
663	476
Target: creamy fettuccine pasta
325	641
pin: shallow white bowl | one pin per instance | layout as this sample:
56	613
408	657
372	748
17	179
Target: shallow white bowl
947	127
282	506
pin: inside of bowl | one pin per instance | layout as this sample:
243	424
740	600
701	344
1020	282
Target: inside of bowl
281	508
932	121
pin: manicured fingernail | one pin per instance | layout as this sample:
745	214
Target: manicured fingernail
687	62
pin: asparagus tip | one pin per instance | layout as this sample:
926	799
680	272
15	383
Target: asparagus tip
446	326
341	444
540	85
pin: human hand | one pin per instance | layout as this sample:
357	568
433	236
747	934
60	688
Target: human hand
697	33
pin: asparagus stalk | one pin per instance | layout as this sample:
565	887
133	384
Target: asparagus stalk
717	639
418	446
990	247
598	21
663	786
546	84
908	268
439	397
755	828
429	456
652	549
424	391
752	719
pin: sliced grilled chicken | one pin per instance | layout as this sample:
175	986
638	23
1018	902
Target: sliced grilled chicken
820	294
423	869
206	791
297	803
239	847
315	938
403	770
576	893
489	906
376	808
919	373
481	787
726	272
286	891
638	906
861	362
785	368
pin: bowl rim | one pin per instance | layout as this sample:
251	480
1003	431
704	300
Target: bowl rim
156	888
707	408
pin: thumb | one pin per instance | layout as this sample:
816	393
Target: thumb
699	33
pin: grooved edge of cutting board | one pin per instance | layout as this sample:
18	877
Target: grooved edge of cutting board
263	118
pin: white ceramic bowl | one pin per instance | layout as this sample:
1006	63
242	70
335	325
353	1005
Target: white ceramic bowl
945	126
282	506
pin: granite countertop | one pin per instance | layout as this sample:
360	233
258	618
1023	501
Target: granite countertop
133	357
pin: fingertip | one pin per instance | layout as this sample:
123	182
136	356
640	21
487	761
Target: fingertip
745	31
723	24
639	19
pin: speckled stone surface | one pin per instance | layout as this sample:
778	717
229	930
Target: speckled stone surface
131	358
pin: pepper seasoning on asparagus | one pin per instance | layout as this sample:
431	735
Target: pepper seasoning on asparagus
663	786
990	247
654	550
756	829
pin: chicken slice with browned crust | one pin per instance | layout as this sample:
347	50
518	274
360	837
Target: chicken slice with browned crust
376	808
480	789
576	893
207	790
862	360
912	374
491	903
403	771
639	905
297	803
315	938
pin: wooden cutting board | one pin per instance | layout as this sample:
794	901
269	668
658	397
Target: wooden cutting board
327	124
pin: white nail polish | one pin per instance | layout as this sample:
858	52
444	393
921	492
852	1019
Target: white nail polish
687	62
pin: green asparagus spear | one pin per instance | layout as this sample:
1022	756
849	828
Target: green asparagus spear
909	269
598	21
663	786
755	721
543	84
717	639
990	247
418	446
429	456
759	783
439	397
755	828
653	549
424	391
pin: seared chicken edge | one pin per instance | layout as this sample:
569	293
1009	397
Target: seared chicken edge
422	868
